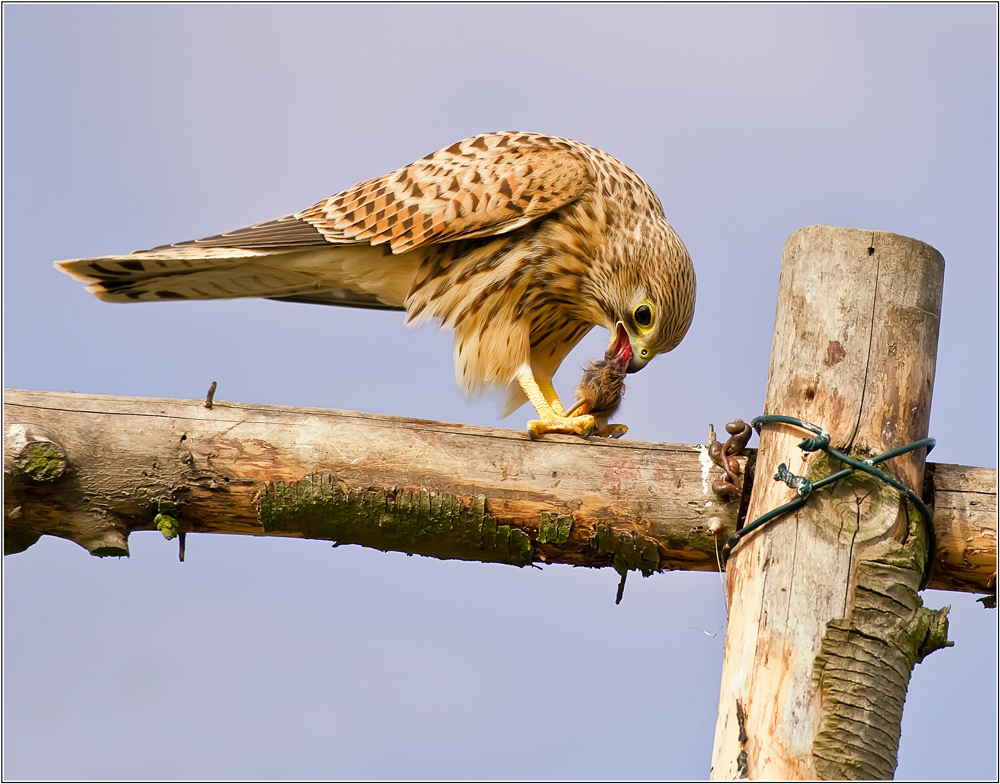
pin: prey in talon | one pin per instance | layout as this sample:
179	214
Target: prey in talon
600	394
601	389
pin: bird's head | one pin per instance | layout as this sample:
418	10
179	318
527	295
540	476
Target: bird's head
656	316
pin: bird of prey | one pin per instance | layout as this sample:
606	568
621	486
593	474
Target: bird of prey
520	242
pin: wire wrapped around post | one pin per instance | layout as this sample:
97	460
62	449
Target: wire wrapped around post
803	487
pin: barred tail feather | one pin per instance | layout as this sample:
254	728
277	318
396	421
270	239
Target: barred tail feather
330	276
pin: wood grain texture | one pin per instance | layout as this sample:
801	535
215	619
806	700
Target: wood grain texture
854	352
126	456
964	500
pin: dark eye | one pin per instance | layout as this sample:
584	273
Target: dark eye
643	316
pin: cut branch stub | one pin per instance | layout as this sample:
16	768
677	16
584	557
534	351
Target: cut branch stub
32	454
138	464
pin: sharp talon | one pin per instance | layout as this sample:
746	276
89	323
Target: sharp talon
611	431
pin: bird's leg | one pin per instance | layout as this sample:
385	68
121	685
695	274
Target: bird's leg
551	421
549	392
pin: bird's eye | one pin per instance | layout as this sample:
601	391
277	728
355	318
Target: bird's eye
643	315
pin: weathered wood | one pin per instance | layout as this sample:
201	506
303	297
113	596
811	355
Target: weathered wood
437	489
128	460
825	623
964	501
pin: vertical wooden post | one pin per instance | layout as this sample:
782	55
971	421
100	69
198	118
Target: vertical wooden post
825	623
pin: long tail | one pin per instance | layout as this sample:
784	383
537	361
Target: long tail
350	275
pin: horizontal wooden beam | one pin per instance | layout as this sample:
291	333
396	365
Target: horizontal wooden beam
964	501
94	468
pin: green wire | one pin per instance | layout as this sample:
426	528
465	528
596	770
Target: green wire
804	487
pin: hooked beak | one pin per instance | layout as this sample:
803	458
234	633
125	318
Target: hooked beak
621	352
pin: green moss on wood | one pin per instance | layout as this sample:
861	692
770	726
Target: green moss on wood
554	531
166	520
628	550
439	525
43	461
822	467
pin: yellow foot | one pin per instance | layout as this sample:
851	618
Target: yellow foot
579	425
611	431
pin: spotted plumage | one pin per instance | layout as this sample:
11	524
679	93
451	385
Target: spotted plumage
519	242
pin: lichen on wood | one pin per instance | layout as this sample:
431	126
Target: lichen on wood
554	531
32	452
629	551
166	520
435	524
43	462
854	352
124	455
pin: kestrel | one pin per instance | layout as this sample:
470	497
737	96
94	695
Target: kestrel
520	242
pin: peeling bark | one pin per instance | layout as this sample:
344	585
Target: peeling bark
136	464
824	621
865	661
429	488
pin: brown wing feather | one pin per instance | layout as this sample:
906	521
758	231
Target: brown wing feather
478	188
483	186
341	298
286	232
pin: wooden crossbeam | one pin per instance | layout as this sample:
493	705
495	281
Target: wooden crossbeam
116	463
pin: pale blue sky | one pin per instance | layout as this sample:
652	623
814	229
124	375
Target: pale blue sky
126	127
